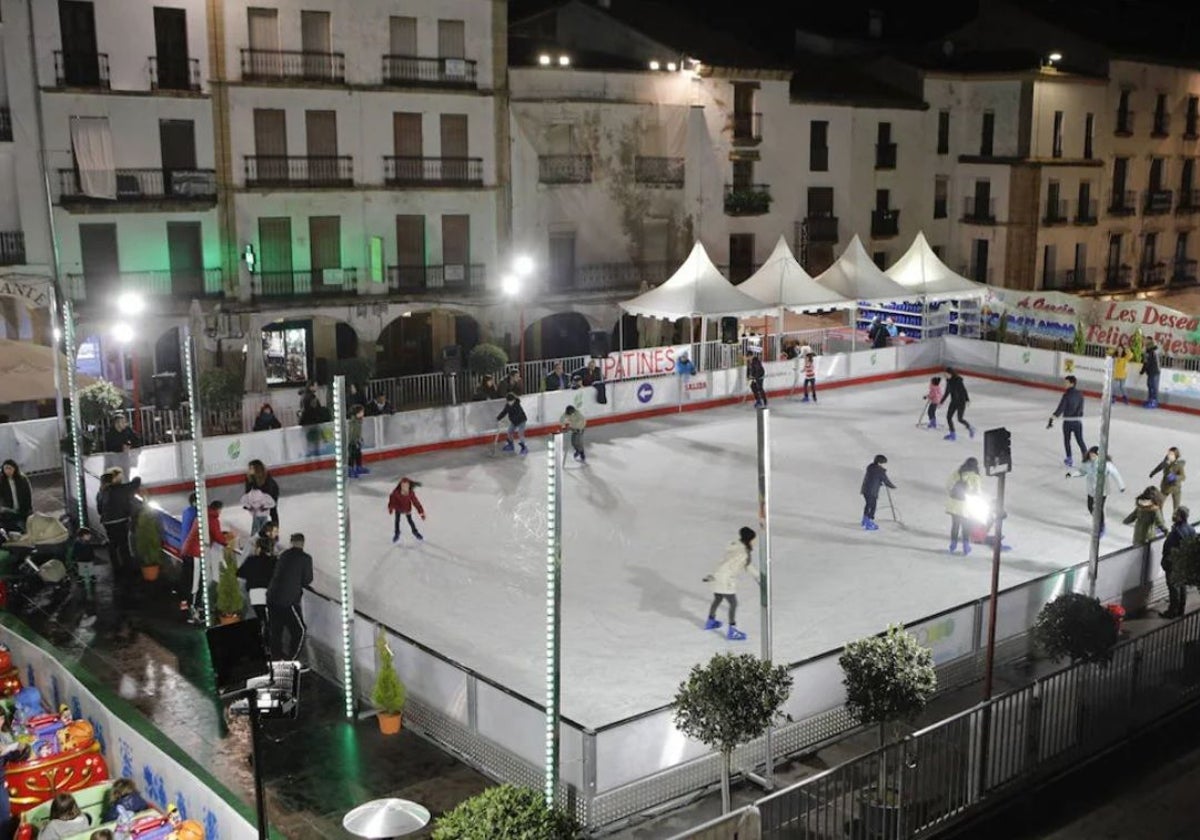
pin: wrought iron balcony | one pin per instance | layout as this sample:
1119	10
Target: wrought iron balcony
1118	277
160	186
1162	125
1150	276
978	210
1122	203
402	171
885	155
12	247
205	282
658	171
299	171
422	278
885	223
747	199
1085	213
565	169
172	73
413	71
326	282
1070	280
1157	201
822	228
1183	272
747	128
599	277
293	66
1056	212
1124	123
1189	201
81	69
6	134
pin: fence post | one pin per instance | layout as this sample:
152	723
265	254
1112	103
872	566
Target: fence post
1033	729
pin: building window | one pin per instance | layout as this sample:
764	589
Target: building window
1124	115
402	36
987	133
1193	107
941	191
943	133
885	149
1161	117
1057	149
880	259
818	155
1089	129
1056	208
452	39
743	174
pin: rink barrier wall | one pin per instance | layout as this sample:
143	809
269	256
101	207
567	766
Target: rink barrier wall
33	444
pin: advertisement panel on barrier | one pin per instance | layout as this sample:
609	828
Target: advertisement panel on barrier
1026	361
645	394
645	361
1089	369
833	366
694	388
782	376
1181	383
873	362
947	636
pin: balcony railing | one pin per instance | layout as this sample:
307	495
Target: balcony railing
598	277
1122	203
205	282
1183	272
422	278
565	169
658	171
747	199
1118	277
885	223
1157	201
299	171
979	211
81	69
6	134
318	281
1162	125
1124	123
146	185
822	228
747	128
401	171
1070	280
293	66
170	73
1085	213
413	71
1057	212
12	247
1189	201
1152	275
885	155
1189	130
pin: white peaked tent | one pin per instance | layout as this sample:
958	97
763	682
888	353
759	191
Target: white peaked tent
922	273
784	283
855	276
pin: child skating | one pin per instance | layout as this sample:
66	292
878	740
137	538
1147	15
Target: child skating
574	421
724	580
516	421
810	375
402	501
875	478
934	399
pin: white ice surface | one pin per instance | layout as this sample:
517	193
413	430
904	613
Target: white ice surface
651	513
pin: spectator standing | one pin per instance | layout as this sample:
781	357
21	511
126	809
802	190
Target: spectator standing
379	407
556	380
1152	371
121	438
16	497
512	384
121	506
293	573
354	442
486	389
1181	530
256	570
266	419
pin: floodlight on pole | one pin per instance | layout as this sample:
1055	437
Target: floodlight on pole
131	304
523	265
1054	57
122	332
510	285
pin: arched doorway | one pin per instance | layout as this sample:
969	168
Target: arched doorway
413	343
558	335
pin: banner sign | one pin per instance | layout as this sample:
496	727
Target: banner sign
1056	315
36	295
648	361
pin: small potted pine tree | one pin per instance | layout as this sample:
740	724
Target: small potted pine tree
230	602
1077	627
889	678
389	693
729	701
506	812
147	542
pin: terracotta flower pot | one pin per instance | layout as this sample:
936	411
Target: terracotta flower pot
150	573
389	724
228	619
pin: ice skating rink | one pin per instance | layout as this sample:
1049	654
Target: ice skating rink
651	513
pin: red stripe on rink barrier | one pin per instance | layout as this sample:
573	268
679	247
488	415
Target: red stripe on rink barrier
464	443
1182	409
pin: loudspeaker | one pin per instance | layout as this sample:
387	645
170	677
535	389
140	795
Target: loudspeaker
729	330
598	341
997	451
451	359
166	390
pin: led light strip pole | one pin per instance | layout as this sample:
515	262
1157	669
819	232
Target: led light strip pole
201	484
1101	476
554	445
345	588
764	564
73	397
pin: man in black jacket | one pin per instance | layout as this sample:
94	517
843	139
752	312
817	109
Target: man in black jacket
378	407
120	437
121	506
1151	369
756	373
1181	530
516	421
875	478
1070	409
293	572
956	392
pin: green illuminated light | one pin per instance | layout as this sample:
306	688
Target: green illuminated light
345	590
194	409
73	397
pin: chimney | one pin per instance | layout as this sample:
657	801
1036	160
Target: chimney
875	23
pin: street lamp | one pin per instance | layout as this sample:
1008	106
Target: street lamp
512	284
131	304
123	332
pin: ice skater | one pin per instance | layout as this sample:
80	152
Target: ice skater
755	372
956	392
1172	468
259	505
1181	530
1146	516
1089	470
516	421
401	502
810	375
574	420
1122	355
1152	371
354	442
934	399
875	478
724	580
1070	409
963	483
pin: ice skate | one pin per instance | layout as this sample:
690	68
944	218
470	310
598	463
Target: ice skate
524	449
583	457
1069	461
734	634
1125	400
712	624
508	447
863	523
363	471
932	424
971	432
396	537
805	398
575	454
966	548
418	536
953	546
950	436
870	525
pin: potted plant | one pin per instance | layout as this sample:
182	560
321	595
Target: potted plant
889	678
486	358
729	701
389	693
1137	344
1078	341
97	402
1078	627
506	812
148	544
230	602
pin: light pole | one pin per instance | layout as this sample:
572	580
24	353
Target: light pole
131	305
513	286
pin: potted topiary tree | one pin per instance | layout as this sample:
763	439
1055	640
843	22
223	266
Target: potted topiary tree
147	543
1078	627
230	602
729	701
486	358
97	402
889	678
389	693
506	812
221	391
1137	345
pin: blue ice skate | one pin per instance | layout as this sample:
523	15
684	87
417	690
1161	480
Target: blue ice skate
953	546
966	547
524	449
950	436
932	424
971	432
712	624
1069	461
805	398
870	525
508	447
363	471
734	634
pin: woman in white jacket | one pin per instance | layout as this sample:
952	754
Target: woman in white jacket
724	580
1087	469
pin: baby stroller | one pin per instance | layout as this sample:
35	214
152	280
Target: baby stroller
40	554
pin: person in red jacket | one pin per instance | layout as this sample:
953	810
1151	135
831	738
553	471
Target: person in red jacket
401	503
193	555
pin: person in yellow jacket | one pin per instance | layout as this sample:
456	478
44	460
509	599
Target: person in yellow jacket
724	579
1122	356
963	483
573	420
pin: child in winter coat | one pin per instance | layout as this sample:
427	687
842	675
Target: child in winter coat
574	421
123	794
724	580
401	503
66	820
516	421
934	398
1089	469
1172	468
963	482
1146	516
810	375
354	442
259	504
876	477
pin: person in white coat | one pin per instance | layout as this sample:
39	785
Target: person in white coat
1088	469
725	578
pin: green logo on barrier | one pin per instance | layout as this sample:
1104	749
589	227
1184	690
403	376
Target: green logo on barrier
872	359
1025	357
234	451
